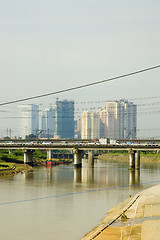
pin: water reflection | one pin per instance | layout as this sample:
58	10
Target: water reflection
88	175
84	175
77	175
114	175
28	175
101	174
134	177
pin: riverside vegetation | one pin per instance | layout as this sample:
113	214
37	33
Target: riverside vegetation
146	157
12	163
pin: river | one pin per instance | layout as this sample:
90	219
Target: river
63	203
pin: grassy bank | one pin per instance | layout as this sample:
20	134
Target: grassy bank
145	157
13	163
10	169
17	156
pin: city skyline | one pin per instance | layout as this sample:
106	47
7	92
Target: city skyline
152	104
116	120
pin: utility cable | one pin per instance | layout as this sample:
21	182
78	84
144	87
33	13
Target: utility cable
81	86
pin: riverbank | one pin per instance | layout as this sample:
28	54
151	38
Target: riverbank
13	163
10	169
123	157
135	218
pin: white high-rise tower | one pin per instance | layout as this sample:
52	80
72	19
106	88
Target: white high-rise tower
29	119
90	125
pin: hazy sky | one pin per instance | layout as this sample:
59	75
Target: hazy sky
49	45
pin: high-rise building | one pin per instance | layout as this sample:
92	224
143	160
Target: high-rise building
111	120
43	125
90	125
77	130
48	123
103	115
114	119
118	120
85	125
129	119
95	125
64	119
29	119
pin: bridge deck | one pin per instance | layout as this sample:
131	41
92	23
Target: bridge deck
53	146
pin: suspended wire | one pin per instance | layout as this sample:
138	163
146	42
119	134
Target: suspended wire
108	100
139	113
89	102
76	109
67	116
81	86
79	110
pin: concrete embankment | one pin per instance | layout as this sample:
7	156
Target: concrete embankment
135	218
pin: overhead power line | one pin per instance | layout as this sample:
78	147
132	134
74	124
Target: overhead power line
81	86
138	113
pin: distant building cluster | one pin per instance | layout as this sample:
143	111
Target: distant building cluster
118	120
57	122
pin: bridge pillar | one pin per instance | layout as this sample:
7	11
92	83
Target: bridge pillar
49	154
77	158
137	159
11	151
28	156
91	157
131	159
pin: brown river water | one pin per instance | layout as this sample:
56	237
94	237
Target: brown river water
63	203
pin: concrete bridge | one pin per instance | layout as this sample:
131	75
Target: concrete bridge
77	149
